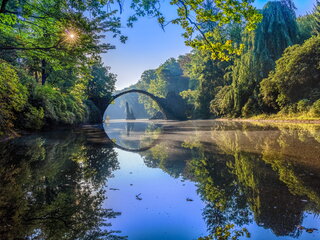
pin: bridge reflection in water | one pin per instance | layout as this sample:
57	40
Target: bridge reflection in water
133	135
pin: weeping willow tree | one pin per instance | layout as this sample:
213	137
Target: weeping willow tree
316	17
264	46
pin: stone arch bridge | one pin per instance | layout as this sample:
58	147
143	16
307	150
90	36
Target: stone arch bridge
172	106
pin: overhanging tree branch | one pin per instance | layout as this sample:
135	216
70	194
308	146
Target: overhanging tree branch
195	25
17	13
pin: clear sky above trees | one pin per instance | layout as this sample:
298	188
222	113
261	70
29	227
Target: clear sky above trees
148	45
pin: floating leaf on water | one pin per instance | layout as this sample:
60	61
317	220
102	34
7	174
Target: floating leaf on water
311	230
138	197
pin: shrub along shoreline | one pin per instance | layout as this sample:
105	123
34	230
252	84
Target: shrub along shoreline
273	119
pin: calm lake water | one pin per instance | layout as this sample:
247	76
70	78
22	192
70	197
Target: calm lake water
152	180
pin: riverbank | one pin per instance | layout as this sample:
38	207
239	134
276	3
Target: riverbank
15	133
272	120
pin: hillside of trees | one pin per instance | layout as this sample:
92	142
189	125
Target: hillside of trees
245	62
278	71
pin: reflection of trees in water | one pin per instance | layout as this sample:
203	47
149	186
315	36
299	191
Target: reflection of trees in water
129	127
249	171
217	186
268	169
168	157
273	205
52	188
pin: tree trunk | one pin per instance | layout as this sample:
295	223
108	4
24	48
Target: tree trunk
43	71
36	76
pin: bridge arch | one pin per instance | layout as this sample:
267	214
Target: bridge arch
160	101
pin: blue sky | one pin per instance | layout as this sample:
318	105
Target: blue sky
148	45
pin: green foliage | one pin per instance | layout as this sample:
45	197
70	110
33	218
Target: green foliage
315	109
195	16
58	108
223	102
167	78
93	113
56	43
303	105
296	76
190	95
76	27
210	75
214	88
101	85
33	118
316	17
55	27
275	33
13	96
306	26
227	233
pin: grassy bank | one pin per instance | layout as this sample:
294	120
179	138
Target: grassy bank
277	118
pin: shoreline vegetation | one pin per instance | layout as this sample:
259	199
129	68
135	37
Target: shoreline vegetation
272	119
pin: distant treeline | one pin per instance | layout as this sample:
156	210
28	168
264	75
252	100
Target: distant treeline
278	71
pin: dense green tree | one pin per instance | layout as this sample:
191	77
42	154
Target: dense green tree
295	78
305	26
316	17
210	75
223	102
263	47
168	78
171	73
101	85
55	44
13	96
146	77
54	34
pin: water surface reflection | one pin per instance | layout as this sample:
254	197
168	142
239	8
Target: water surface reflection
254	179
169	180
